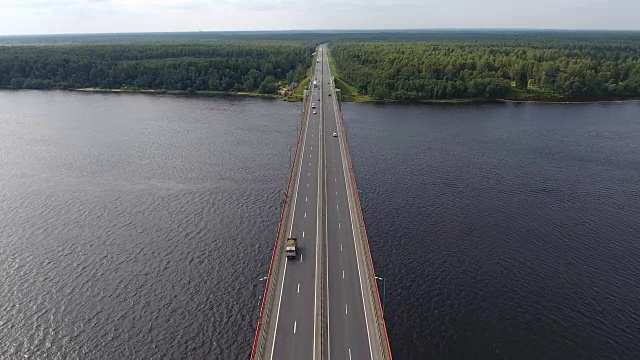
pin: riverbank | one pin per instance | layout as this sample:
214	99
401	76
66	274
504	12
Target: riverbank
187	93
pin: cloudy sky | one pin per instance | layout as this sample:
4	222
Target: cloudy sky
97	16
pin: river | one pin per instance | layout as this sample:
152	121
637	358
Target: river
138	226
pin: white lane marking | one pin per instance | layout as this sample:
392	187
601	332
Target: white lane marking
298	288
284	271
338	225
309	174
305	199
309	164
349	353
346	309
305	214
337	207
353	233
303	234
318	242
343	274
340	247
312	148
295	325
335	180
307	185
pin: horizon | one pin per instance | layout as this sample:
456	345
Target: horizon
61	17
331	31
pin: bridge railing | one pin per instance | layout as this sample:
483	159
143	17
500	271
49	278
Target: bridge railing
381	329
271	284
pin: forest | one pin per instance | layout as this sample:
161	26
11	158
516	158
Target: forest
420	65
542	68
226	65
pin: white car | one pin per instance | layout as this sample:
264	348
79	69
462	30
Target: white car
335	134
314	112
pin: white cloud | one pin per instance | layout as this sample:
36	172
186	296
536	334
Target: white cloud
79	16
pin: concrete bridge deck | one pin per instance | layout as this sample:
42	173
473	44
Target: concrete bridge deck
325	303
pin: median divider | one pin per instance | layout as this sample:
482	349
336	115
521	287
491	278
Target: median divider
384	350
262	328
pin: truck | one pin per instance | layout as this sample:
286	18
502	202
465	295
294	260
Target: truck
291	249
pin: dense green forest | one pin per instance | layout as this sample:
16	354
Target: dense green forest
379	65
529	68
239	66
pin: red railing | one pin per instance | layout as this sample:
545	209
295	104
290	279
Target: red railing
364	229
275	245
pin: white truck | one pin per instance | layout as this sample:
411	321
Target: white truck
291	249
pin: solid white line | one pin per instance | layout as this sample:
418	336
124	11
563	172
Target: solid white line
295	325
298	288
284	272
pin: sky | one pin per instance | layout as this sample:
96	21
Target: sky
18	17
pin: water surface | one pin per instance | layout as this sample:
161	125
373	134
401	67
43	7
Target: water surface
504	231
136	226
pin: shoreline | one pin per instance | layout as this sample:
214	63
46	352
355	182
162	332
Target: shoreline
185	93
370	101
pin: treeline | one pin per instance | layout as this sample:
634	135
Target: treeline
534	69
240	66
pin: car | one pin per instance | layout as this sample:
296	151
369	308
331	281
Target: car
313	105
335	134
329	94
314	111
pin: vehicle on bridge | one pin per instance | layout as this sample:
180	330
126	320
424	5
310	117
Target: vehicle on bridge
291	249
335	134
314	111
313	105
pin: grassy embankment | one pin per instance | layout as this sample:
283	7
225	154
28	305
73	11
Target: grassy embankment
348	91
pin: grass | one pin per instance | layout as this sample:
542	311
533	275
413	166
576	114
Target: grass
348	91
299	93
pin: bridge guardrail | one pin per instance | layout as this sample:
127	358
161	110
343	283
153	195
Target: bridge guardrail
262	328
381	328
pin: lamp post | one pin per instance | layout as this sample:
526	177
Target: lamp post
384	290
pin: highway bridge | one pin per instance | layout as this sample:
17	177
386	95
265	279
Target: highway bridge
324	304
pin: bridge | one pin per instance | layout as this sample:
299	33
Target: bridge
324	304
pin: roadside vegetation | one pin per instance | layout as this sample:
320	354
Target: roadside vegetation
246	67
521	69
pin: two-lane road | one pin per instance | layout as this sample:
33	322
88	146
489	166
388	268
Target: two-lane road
294	328
348	331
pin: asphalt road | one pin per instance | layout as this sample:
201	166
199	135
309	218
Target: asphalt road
297	296
348	332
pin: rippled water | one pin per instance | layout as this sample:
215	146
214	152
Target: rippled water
504	231
136	226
